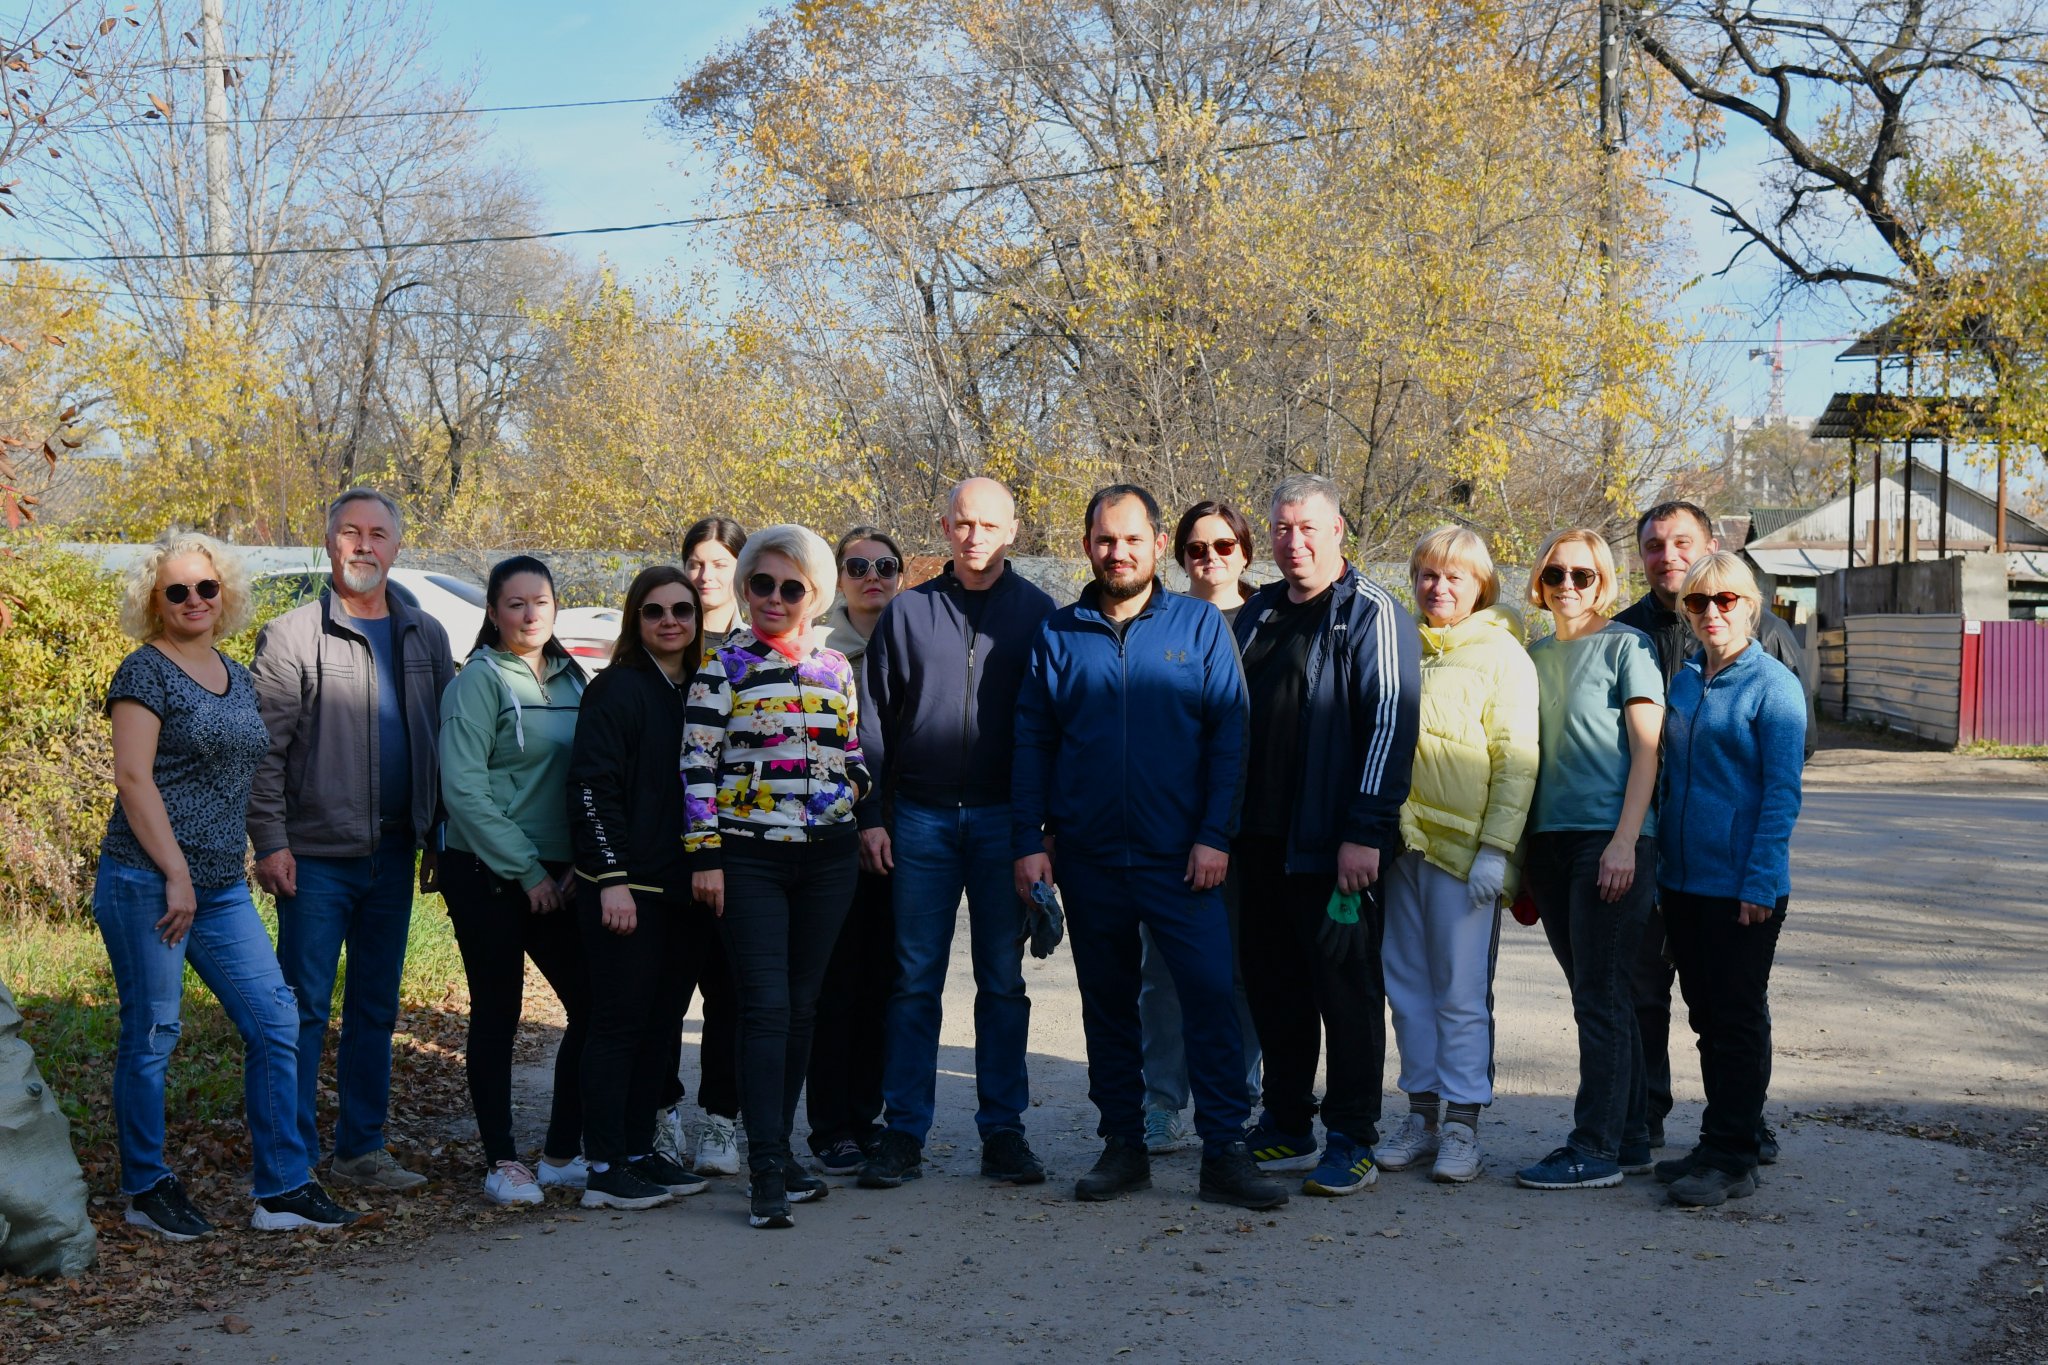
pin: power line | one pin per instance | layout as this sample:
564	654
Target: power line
698	220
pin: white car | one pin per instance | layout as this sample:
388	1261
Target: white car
456	603
588	633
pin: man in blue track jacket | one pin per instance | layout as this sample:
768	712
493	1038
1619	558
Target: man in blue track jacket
1129	760
1333	669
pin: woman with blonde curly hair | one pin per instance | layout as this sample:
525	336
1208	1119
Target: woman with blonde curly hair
171	888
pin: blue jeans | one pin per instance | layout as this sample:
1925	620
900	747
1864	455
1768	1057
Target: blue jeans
1105	907
365	903
1159	1019
941	851
229	949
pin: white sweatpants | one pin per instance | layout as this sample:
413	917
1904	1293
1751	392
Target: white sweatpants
1439	956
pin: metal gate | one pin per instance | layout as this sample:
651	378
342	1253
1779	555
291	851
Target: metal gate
2005	682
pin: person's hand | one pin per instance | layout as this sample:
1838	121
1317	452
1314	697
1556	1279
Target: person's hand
1357	867
1206	867
1617	870
876	855
709	887
545	898
180	904
279	873
1752	913
617	911
1030	871
1488	879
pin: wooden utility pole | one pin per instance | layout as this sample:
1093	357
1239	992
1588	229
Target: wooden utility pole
1610	225
213	48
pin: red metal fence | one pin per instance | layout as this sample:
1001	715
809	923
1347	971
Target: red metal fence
2005	682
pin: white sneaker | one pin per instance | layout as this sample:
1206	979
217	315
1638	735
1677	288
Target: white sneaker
511	1183
717	1147
1458	1157
573	1174
1408	1144
671	1138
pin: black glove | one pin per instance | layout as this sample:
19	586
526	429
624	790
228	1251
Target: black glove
1044	923
1344	937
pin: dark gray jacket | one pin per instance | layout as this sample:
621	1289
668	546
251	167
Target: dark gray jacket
316	685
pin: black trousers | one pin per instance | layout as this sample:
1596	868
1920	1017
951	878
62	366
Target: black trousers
1724	971
635	980
843	1094
1301	1001
496	932
783	910
718	1048
1652	982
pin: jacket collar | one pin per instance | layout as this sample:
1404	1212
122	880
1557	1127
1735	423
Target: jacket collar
402	616
1697	660
951	581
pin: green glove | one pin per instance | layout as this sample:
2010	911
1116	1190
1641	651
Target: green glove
1343	907
1341	938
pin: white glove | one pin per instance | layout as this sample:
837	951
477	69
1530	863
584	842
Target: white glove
1489	874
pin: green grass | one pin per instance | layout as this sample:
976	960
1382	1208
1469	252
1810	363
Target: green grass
58	972
1985	748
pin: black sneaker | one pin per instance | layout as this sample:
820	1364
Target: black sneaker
897	1157
1766	1145
770	1202
843	1157
801	1186
619	1186
1677	1168
657	1169
1710	1185
1122	1168
305	1207
1232	1177
1006	1156
165	1210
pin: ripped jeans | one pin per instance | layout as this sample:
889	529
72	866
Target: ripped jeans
229	949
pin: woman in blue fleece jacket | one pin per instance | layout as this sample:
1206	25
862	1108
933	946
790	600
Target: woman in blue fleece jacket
1734	743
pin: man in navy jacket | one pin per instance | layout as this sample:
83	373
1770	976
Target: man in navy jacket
1333	669
1130	755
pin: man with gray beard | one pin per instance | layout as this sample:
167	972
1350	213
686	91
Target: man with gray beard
350	690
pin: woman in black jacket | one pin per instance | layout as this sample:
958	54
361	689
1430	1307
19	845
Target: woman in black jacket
633	889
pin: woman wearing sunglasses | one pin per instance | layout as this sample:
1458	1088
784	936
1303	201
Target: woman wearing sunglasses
844	1093
1734	742
1213	546
508	725
1592	849
171	889
633	890
1475	772
771	771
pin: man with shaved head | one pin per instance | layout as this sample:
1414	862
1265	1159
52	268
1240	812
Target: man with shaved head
942	673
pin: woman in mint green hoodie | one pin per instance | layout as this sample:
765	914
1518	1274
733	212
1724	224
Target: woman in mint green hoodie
508	722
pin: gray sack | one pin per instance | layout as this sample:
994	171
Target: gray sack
44	1229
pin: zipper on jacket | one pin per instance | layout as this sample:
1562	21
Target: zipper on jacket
1685	797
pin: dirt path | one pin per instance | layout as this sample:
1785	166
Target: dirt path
1909	990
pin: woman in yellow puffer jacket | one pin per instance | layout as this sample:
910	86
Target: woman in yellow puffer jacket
1475	774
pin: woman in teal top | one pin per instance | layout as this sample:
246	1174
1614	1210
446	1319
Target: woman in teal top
1592	850
508	723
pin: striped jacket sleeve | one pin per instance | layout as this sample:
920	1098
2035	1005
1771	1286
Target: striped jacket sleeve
1386	681
708	711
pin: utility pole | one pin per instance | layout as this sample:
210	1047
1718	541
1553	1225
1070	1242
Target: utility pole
213	49
1610	224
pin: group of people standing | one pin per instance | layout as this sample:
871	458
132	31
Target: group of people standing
1271	814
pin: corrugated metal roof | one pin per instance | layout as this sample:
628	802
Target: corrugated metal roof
1876	417
1972	516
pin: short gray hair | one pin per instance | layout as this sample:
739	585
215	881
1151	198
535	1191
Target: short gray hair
1299	488
801	546
384	500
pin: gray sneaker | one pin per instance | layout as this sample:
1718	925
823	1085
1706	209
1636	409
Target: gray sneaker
377	1170
1164	1132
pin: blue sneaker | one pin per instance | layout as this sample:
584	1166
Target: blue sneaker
1278	1151
1346	1168
1565	1169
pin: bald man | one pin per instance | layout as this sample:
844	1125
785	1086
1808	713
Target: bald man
942	673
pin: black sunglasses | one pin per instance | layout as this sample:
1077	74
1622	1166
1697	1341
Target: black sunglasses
1223	546
654	611
764	586
176	593
1582	579
1696	602
886	568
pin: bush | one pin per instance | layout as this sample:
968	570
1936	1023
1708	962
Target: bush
59	646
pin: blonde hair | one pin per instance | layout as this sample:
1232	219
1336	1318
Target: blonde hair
802	547
1723	571
142	617
1457	547
1603	561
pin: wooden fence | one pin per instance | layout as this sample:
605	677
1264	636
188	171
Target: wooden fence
1903	672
